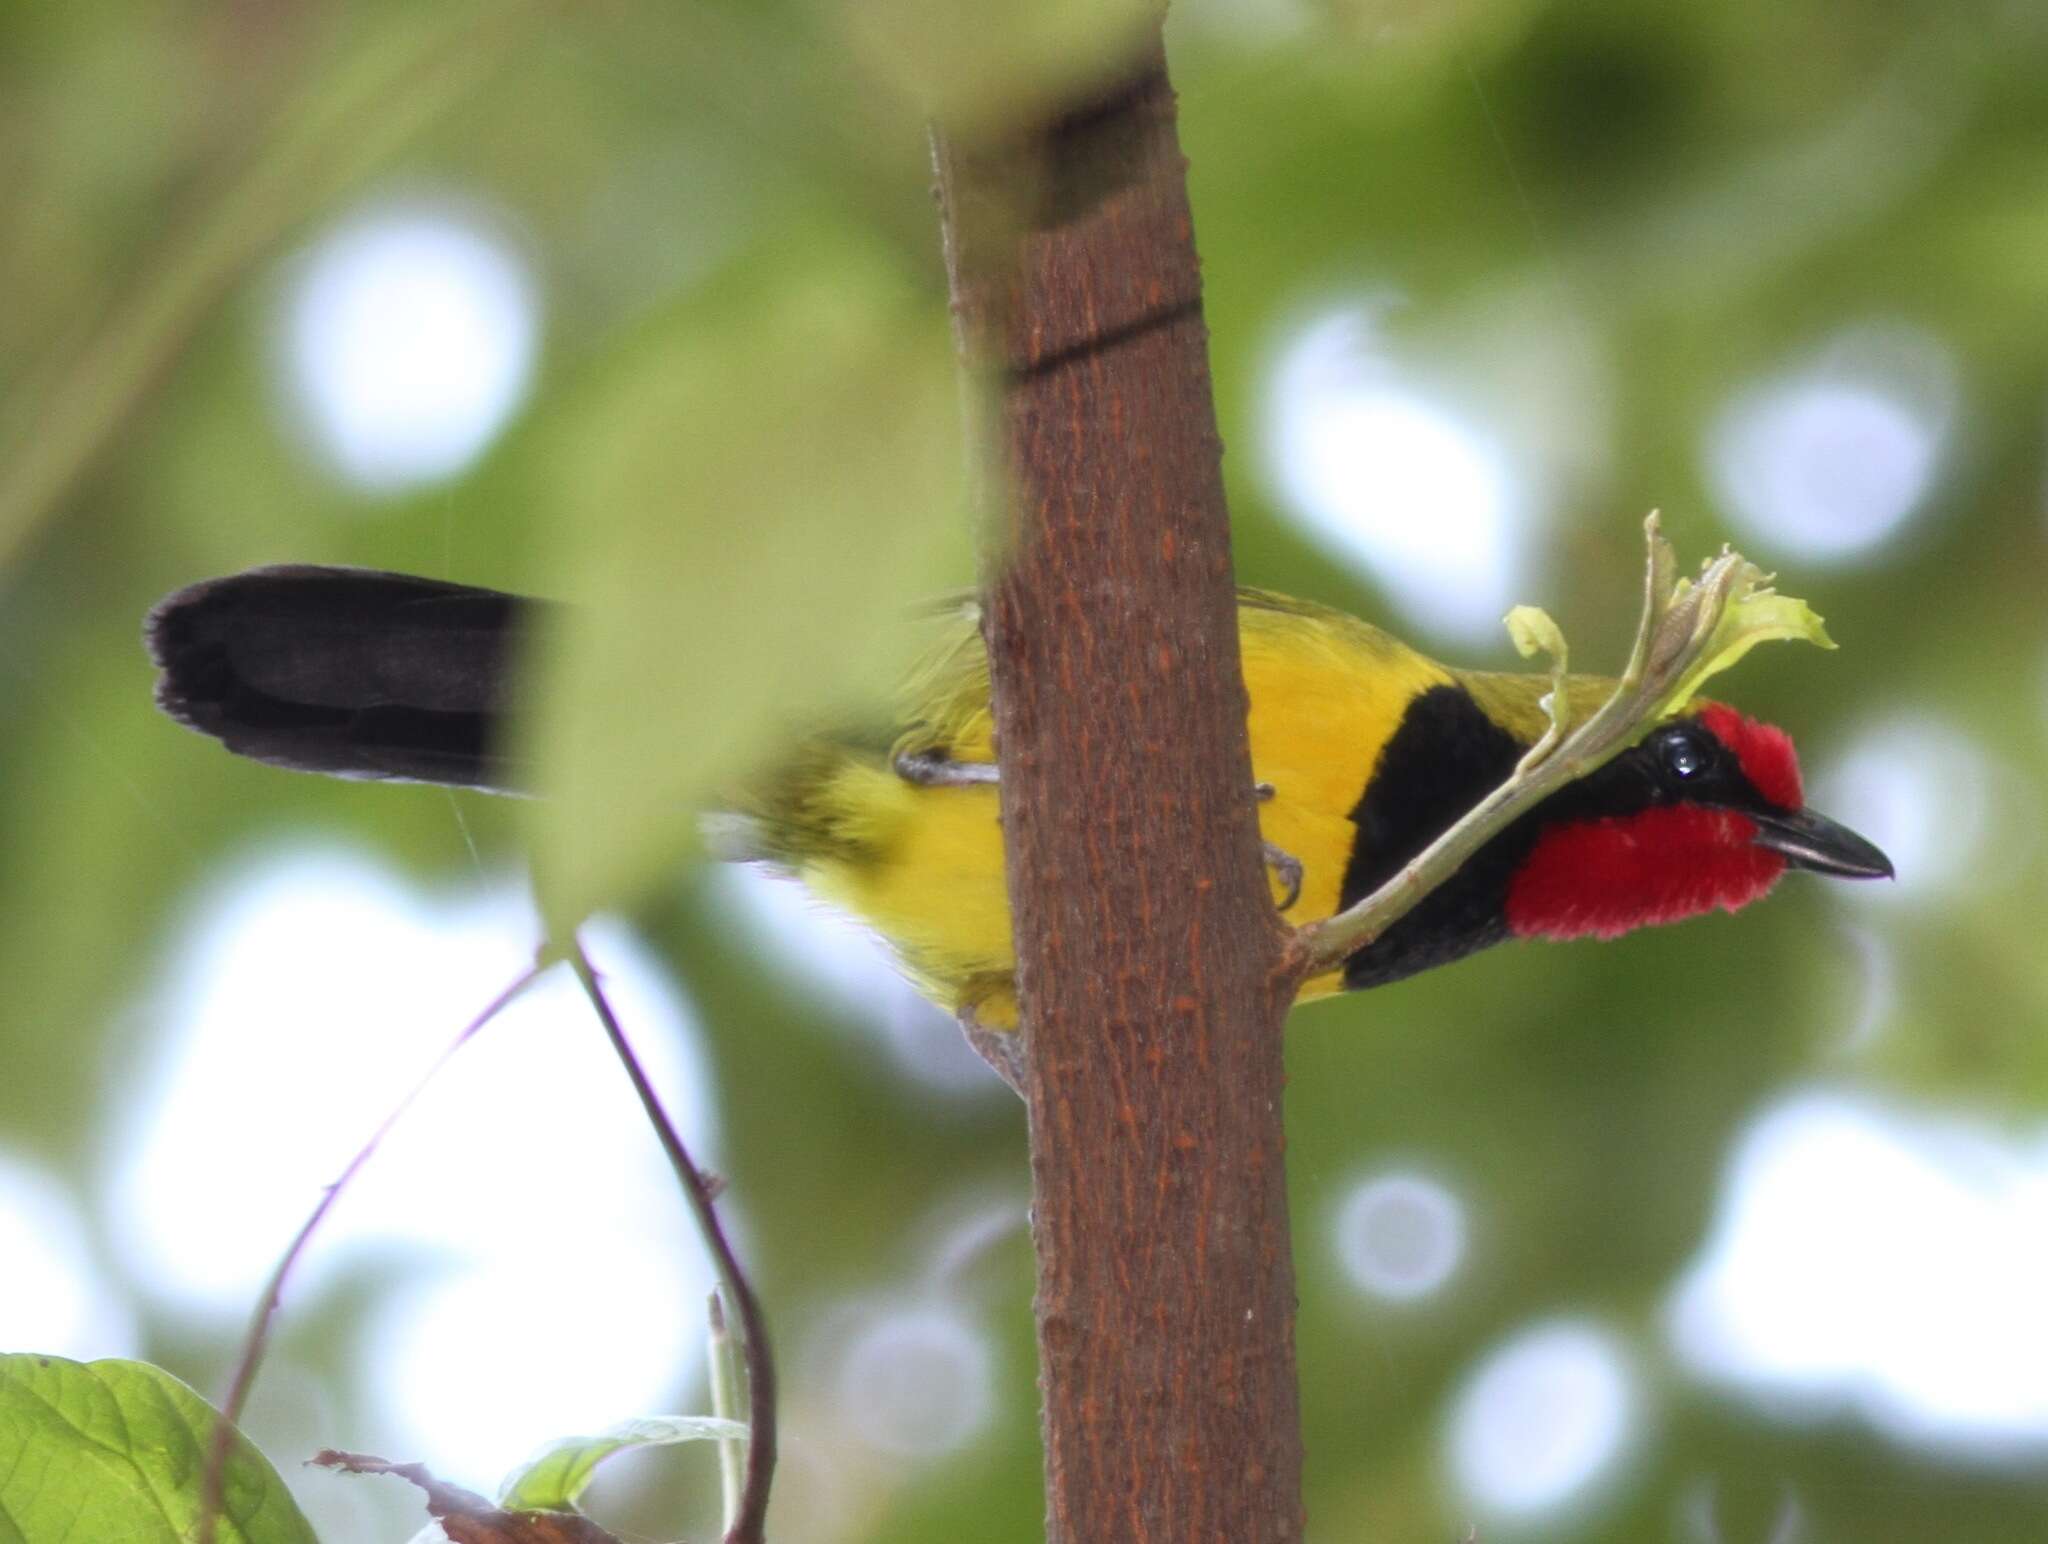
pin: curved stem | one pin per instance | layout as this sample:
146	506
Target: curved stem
747	1526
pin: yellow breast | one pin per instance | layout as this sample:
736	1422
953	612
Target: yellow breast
1326	693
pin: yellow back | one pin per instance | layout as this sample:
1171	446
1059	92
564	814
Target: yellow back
924	865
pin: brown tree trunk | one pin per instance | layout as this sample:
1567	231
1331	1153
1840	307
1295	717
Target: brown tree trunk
1151	963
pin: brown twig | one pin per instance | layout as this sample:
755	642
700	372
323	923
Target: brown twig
258	1338
747	1526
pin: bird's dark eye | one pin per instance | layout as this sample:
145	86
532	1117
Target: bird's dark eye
1684	756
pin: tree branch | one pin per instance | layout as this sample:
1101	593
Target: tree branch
749	1522
1151	963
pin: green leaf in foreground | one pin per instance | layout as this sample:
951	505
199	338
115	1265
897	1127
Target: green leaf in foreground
556	1475
981	68
117	1450
754	494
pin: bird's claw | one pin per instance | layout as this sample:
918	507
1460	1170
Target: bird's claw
935	769
1288	867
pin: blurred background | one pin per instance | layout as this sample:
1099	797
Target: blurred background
1729	1234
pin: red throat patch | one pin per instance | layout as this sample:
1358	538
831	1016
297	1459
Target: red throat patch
1601	878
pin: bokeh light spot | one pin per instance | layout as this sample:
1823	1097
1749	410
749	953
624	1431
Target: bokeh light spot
1874	995
1887	1261
1394	480
521	1279
916	1379
1832	457
1699	1515
1400	1236
1923	791
966	1231
457	1359
54	1298
409	336
1543	1421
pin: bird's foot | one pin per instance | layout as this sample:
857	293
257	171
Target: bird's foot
934	769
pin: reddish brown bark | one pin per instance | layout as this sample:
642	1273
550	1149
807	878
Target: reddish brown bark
1151	961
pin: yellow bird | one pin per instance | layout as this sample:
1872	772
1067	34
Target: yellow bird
1363	750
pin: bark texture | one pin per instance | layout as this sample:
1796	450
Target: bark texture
1152	967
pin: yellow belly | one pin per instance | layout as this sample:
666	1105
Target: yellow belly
932	880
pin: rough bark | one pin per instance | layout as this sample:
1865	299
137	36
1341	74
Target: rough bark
1151	964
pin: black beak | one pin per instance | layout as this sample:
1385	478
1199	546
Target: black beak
1811	841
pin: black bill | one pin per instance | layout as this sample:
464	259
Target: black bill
1814	842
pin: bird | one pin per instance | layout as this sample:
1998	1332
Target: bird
1364	749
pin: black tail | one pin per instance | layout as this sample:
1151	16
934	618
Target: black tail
345	671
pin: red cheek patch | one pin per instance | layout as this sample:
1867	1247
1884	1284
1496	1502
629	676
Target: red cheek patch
1764	751
1600	878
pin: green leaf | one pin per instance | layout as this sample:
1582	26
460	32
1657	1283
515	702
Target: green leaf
1721	617
754	495
555	1476
117	1450
981	67
1534	631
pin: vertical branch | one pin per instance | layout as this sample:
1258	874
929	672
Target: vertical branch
1152	967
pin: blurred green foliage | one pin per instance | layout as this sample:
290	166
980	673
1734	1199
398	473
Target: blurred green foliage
812	375
742	454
